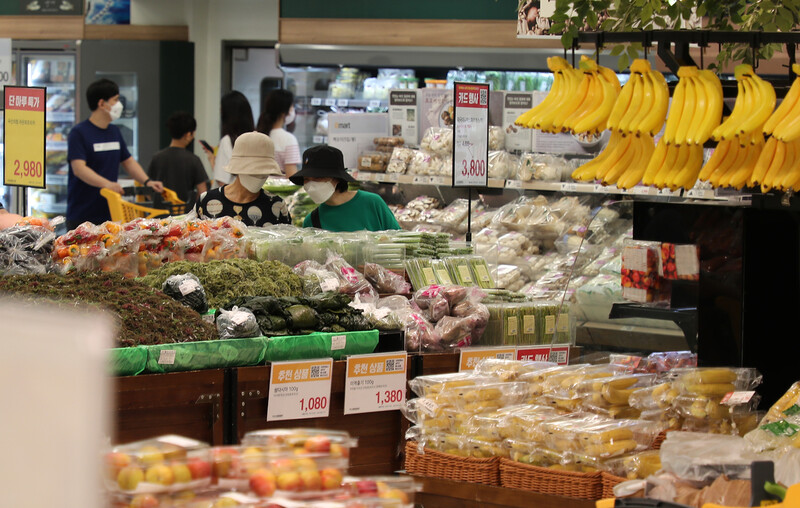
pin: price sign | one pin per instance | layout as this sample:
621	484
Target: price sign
536	354
375	383
316	101
471	135
300	389
559	355
374	104
513	184
470	357
5	62
24	136
342	103
569	187
330	102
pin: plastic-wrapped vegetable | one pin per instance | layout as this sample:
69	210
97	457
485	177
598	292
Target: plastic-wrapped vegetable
187	289
497	137
480	272
541	167
237	323
455	331
26	249
440	270
432	303
460	272
385	280
420	333
401	157
438	140
351	282
502	164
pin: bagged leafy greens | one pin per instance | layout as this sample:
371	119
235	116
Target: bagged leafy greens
237	323
186	288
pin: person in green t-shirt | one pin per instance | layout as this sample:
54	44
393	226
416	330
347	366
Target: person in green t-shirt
325	179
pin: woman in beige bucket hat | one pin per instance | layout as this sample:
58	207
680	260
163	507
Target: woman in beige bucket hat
253	160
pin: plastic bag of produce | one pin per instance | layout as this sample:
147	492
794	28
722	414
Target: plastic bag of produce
703	457
502	164
432	302
401	157
541	167
437	140
186	288
420	333
381	318
351	282
497	137
237	323
26	249
385	280
455	331
316	279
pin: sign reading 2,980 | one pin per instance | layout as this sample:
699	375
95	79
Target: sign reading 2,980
471	135
23	136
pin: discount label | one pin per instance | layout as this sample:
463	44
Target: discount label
300	389
470	357
375	383
471	135
24	136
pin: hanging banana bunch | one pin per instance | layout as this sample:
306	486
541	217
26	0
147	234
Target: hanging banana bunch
674	166
740	136
637	115
580	101
784	124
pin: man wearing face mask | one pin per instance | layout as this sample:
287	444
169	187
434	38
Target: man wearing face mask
252	161
325	179
95	151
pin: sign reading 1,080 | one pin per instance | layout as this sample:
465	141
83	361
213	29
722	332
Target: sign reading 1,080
471	135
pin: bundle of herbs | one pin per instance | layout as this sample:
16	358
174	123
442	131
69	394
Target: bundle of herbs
145	315
231	278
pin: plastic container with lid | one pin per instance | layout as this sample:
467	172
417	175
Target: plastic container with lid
380	491
168	463
319	442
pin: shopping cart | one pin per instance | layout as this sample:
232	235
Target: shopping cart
160	205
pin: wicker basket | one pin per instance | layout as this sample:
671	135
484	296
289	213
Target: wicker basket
659	439
451	467
608	482
549	481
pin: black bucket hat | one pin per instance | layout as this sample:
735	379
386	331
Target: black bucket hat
322	161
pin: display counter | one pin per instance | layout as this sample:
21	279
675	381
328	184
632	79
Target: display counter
446	494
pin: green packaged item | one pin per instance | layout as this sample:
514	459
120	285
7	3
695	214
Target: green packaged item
319	345
128	361
212	354
460	271
493	336
440	270
420	272
511	324
480	272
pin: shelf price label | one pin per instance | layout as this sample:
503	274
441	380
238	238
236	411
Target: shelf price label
535	354
316	101
24	136
5	62
300	389
470	357
375	383
330	102
471	135
559	355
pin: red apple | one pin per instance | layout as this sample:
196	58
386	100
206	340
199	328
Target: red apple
263	482
290	481
331	478
144	501
338	450
199	468
283	466
116	461
318	444
223	462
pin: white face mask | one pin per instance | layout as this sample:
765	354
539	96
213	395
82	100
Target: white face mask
252	183
319	192
116	111
289	117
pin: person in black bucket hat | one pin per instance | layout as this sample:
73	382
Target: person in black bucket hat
325	179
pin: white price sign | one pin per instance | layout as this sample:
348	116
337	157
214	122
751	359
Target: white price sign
300	389
5	62
471	135
375	383
470	357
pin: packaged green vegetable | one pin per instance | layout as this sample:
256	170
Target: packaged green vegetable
493	335
440	270
480	272
511	324
460	272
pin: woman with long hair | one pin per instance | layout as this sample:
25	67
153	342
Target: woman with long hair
278	111
237	118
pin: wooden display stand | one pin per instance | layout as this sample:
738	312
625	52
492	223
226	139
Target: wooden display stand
449	494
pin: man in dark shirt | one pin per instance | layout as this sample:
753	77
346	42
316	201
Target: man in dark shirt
95	151
175	166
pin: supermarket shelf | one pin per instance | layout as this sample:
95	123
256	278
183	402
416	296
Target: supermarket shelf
59	116
55	86
349	103
708	196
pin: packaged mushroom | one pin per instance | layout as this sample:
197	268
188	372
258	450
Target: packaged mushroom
502	164
438	140
400	159
541	167
497	138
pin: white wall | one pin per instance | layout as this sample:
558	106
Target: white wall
210	22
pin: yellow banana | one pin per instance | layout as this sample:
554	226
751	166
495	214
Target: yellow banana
710	375
610	76
731	165
666	178
596	120
587	172
544	120
739	177
723	149
764	105
616	396
581	96
555	96
764	161
636	171
788	164
589	106
636	102
614	157
622	105
673	152
687	176
694	131
789	129
611	449
616	170
712	114
775	166
787	104
608	436
726	129
711	389
689	111
654	164
648	96
792	178
655	118
675	112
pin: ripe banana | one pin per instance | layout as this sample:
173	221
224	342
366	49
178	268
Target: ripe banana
633	175
740	176
611	449
764	161
655	118
637	83
616	170
718	159
710	375
597	119
763	106
607	436
775	166
687	176
690	109
712	89
787	105
676	110
655	163
710	389
616	396
622	105
614	157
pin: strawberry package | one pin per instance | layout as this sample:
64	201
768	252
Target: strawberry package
680	262
640	272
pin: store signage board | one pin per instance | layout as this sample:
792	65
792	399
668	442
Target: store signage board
23	136
555	354
375	383
469	357
471	135
300	389
5	62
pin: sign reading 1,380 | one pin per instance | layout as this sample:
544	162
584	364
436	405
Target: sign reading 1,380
23	136
471	135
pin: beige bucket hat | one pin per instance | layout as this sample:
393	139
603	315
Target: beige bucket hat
253	154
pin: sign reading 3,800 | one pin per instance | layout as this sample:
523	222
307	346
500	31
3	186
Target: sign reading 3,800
471	135
23	136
